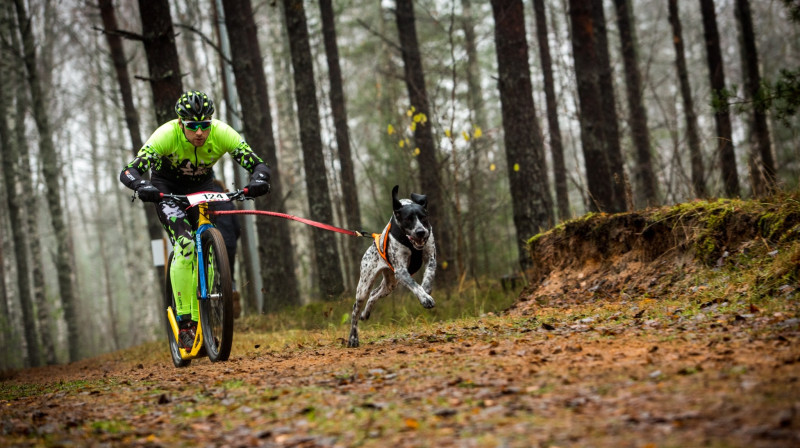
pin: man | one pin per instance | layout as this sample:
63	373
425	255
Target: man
181	154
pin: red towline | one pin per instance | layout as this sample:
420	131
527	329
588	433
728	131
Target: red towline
293	218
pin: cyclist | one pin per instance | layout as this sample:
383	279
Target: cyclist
181	154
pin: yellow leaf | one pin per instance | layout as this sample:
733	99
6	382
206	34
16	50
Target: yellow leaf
492	167
412	423
413	126
444	265
447	133
516	167
401	143
416	151
466	136
390	129
478	133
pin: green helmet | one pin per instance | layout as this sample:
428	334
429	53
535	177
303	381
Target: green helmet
194	105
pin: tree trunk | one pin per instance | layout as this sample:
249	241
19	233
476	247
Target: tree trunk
154	229
692	134
18	225
527	170
598	172
50	171
646	193
716	74
556	146
429	170
761	148
162	57
339	110
275	245
608	117
326	252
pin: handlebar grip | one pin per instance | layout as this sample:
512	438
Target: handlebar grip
245	190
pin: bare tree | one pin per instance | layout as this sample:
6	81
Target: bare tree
762	161
429	167
598	173
339	111
556	146
50	170
646	192
716	74
326	253
523	141
158	37
275	244
692	135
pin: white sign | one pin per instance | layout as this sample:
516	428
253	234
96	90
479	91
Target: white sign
160	249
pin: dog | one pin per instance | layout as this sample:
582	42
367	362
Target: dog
398	252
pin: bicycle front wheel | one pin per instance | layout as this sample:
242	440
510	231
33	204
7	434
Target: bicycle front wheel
216	312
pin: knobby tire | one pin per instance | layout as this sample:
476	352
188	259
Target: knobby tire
216	312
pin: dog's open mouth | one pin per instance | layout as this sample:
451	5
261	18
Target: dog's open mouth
418	243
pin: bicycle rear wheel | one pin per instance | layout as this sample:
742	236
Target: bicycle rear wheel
216	312
169	301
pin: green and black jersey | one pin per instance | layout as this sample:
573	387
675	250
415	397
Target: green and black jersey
175	159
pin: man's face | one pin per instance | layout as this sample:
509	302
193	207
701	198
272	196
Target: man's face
196	131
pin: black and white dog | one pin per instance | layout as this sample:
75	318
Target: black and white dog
398	252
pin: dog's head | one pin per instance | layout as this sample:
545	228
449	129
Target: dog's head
412	217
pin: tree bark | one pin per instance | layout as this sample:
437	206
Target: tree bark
339	111
716	75
646	192
162	57
114	42
18	225
430	176
598	172
527	170
556	146
326	253
692	134
761	147
608	117
275	244
50	171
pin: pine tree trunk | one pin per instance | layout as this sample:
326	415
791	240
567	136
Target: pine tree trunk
692	134
608	117
339	110
530	196
326	253
716	74
556	146
430	176
275	245
162	57
477	226
598	172
646	193
50	171
761	147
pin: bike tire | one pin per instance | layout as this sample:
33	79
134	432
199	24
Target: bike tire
169	301
216	312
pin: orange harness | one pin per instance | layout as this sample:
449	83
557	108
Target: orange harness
382	249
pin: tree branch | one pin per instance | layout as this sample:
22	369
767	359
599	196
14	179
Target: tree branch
206	40
122	33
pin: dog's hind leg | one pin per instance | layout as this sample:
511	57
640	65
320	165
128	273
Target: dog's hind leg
369	271
387	285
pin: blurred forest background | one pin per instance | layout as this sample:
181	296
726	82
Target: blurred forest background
510	115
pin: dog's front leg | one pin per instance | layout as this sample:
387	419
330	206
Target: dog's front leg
405	279
429	255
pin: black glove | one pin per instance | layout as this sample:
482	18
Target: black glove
259	184
147	192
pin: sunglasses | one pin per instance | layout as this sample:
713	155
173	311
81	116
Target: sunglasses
195	125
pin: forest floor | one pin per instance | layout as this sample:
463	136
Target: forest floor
609	350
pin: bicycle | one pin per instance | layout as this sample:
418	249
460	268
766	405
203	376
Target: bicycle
214	335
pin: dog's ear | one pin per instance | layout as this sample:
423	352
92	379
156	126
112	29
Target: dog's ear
396	205
420	199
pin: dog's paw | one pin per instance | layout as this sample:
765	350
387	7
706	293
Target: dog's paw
427	301
352	342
